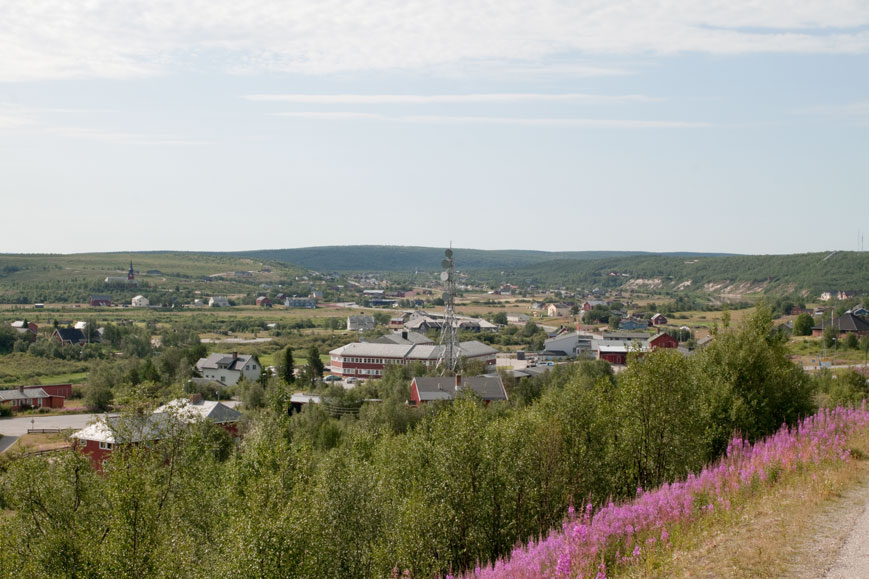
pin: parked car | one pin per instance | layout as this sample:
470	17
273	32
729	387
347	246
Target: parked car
332	378
351	380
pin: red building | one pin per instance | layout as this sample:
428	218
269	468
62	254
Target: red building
105	436
616	351
432	389
658	320
369	359
25	397
100	301
845	324
69	336
264	302
662	341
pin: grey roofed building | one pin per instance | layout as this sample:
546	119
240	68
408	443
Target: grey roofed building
129	428
424	323
858	310
846	323
196	409
413	351
430	389
404	338
566	345
218	302
224	361
626	336
70	336
22	394
229	368
360	323
531	371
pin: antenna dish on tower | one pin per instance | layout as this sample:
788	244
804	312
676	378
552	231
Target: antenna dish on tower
446	264
445	275
448	252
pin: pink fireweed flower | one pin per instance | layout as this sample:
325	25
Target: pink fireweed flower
563	567
616	530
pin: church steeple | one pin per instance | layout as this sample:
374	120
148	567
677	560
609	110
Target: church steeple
130	275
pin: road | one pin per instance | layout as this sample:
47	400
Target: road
836	367
852	559
19	426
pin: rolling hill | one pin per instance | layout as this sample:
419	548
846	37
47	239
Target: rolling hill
389	258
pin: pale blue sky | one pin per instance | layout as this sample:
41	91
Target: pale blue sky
622	125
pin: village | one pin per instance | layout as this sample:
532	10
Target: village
482	343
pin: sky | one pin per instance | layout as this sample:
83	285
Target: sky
715	126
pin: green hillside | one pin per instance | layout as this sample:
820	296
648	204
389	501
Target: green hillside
389	258
812	272
26	278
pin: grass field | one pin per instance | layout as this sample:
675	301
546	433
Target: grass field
20	368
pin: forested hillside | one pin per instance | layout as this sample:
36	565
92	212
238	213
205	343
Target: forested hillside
812	272
388	258
29	278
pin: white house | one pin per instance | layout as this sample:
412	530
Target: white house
557	310
218	302
229	368
140	302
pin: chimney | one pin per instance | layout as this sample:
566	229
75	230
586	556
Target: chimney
21	389
458	381
235	355
195	398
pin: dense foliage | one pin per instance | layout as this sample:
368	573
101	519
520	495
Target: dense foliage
815	272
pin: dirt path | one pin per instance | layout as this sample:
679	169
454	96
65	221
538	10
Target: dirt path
852	559
839	545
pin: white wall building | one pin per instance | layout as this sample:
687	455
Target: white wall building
229	368
140	302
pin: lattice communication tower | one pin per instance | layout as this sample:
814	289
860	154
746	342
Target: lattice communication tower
449	343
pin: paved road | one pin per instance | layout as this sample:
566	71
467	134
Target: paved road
837	366
853	558
19	426
6	442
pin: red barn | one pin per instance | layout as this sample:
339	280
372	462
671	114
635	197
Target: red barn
264	302
98	301
662	341
658	320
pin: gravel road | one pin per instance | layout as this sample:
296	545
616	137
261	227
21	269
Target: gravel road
852	560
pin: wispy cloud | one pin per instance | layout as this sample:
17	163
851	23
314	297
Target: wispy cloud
417	99
482	120
110	39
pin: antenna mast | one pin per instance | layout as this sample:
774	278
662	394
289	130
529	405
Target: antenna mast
449	346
